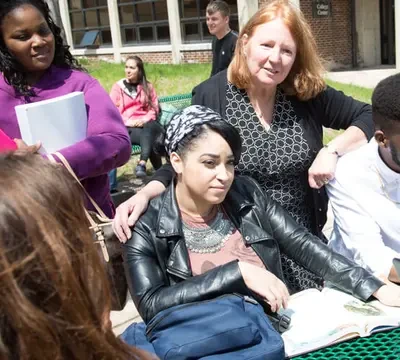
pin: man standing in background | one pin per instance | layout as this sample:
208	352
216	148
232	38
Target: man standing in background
224	41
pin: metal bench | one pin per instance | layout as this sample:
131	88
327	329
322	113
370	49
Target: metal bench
176	102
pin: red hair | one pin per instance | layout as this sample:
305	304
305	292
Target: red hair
305	79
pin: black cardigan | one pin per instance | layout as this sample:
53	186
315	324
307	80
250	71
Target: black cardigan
330	109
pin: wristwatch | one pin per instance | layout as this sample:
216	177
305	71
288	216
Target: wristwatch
331	149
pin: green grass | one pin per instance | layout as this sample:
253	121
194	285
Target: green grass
357	92
167	79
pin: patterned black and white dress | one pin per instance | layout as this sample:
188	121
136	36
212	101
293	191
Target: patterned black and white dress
279	159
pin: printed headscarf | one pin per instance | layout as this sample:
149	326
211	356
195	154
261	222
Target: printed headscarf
184	122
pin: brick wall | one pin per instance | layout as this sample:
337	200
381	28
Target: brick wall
196	56
153	57
333	34
188	57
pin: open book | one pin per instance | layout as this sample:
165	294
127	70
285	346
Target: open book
322	318
57	122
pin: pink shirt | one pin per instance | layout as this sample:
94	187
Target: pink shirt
133	107
6	143
233	249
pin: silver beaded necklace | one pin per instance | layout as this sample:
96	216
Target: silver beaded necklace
211	238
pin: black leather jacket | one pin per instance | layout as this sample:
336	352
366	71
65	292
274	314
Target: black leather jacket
158	265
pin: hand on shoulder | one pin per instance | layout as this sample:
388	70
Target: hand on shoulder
128	213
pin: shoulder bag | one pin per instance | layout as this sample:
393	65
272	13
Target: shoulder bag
109	247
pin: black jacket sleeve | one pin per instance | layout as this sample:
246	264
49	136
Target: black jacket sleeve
151	292
339	111
310	252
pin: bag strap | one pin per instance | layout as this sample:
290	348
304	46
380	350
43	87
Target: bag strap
101	216
69	168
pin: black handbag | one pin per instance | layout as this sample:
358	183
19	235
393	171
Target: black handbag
109	247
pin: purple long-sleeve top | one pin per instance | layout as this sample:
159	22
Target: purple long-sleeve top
107	144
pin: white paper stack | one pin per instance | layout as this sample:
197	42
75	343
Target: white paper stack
56	123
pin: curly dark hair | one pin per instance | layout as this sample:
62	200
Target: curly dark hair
386	104
12	70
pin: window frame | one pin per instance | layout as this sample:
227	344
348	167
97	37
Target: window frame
85	27
136	24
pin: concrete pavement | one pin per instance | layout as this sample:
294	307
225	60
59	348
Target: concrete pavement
368	78
122	319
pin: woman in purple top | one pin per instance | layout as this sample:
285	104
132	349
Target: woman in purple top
35	66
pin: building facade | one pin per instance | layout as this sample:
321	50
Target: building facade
349	33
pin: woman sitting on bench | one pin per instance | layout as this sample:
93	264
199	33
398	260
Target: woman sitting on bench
211	233
137	103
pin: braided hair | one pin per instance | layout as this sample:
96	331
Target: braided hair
13	72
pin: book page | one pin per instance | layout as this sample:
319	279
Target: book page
315	323
320	319
367	315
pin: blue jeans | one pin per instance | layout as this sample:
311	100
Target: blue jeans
112	176
135	335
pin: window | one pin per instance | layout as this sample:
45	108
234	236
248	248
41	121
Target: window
144	22
193	19
89	15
